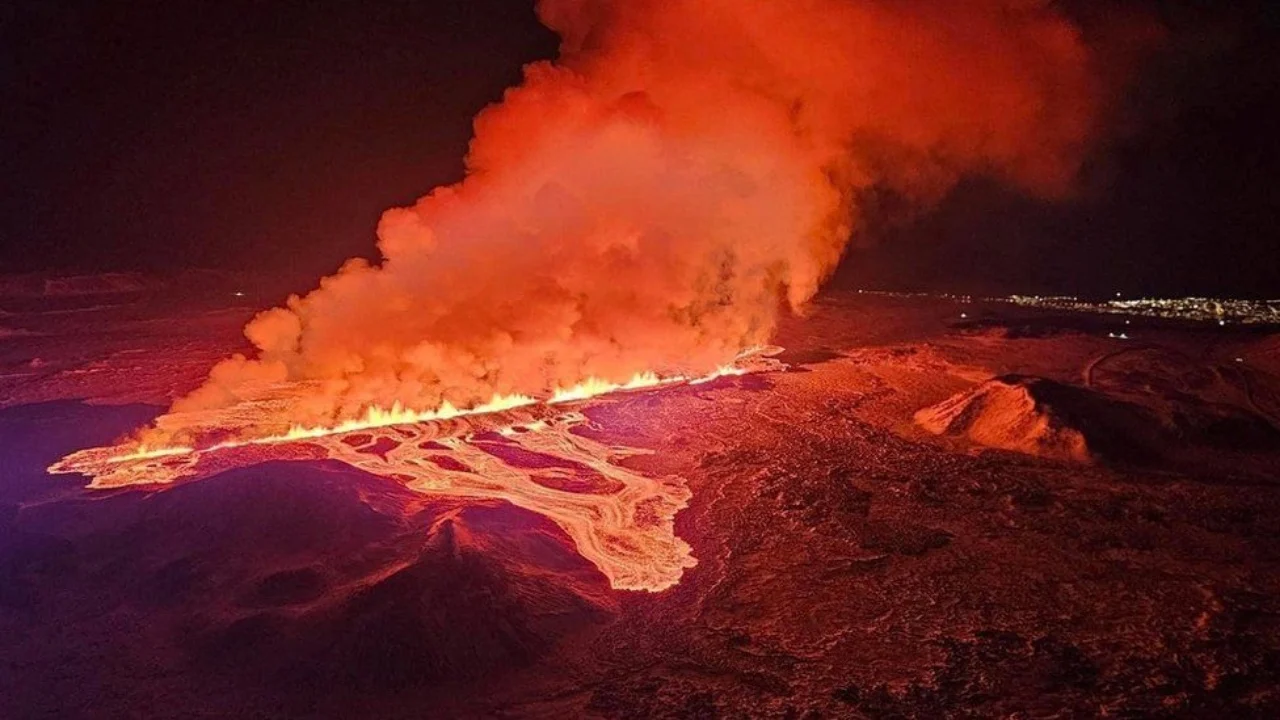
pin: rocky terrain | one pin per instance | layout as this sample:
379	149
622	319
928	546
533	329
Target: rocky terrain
929	514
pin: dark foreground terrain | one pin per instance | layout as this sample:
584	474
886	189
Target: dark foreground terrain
1003	514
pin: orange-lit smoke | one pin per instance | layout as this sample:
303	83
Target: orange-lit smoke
651	200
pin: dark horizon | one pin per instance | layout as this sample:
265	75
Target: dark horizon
268	140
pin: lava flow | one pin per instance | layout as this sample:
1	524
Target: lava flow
648	202
515	448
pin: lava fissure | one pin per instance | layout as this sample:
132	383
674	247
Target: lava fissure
620	520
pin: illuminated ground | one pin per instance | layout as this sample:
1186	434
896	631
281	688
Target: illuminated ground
849	563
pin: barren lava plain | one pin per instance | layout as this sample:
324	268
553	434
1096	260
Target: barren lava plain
1078	525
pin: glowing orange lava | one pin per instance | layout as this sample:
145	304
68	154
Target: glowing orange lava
620	520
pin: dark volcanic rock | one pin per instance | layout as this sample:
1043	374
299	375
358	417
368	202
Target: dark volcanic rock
306	575
459	610
995	669
847	567
288	587
903	538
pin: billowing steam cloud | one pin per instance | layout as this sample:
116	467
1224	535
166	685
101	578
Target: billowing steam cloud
652	199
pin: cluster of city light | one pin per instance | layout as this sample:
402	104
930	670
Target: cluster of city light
1223	311
1199	309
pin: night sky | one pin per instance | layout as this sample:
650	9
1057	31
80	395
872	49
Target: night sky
268	138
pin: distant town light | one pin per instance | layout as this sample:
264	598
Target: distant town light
1219	310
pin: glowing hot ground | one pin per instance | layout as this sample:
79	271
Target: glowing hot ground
524	452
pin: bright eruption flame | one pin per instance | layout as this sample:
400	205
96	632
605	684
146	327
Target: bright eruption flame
379	417
634	213
376	417
646	204
618	519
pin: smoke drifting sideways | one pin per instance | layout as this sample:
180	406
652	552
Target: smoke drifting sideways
651	200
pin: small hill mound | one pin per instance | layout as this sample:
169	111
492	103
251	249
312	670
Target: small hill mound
1044	418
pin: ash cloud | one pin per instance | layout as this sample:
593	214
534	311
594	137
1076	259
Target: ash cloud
652	199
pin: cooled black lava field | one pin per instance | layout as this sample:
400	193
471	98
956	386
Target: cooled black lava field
1005	514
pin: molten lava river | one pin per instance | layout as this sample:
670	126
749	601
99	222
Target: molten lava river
533	454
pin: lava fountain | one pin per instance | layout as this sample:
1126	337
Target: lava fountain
515	449
635	213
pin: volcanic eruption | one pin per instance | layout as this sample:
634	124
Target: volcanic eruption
645	202
639	211
770	358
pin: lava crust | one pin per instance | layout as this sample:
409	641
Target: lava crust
849	562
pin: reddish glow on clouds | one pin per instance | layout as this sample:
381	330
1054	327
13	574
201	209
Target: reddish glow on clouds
649	201
636	212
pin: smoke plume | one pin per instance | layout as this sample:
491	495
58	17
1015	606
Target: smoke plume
652	199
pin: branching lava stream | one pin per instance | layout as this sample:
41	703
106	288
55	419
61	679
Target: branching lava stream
527	453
